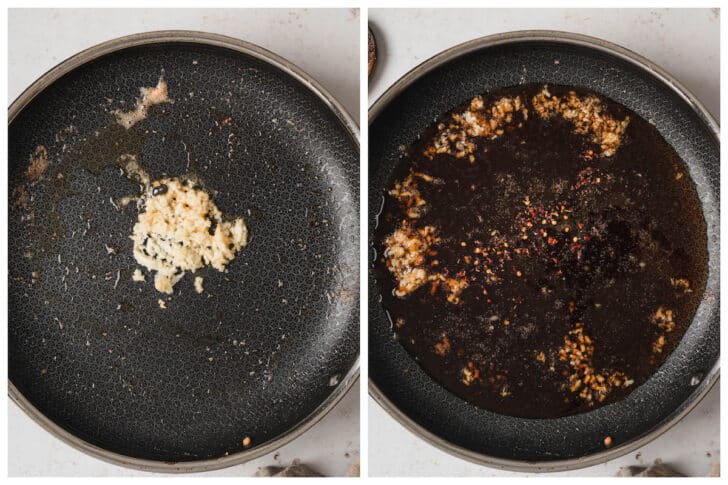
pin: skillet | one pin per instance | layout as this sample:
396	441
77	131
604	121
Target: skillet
272	343
400	385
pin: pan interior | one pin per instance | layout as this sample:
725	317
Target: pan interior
496	437
268	341
535	245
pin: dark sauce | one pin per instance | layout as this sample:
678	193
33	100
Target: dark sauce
645	235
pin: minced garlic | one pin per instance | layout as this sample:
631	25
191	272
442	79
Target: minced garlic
149	97
405	255
137	275
38	163
479	121
587	114
181	229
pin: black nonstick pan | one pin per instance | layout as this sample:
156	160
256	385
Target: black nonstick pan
403	388
271	344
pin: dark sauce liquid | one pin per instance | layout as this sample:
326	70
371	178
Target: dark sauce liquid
645	234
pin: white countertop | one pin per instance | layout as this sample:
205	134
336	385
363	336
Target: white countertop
324	43
685	43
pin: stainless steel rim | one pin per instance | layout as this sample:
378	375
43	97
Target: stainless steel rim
713	375
344	117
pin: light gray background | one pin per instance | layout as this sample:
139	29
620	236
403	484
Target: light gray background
686	43
325	44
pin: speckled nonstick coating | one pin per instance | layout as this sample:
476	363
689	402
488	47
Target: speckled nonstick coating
271	344
451	423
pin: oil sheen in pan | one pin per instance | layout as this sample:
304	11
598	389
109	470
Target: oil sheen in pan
541	252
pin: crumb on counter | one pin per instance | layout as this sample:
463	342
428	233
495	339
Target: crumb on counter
247	441
198	284
161	304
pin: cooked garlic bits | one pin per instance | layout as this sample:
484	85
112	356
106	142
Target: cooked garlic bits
181	229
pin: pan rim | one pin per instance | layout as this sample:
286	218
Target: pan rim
351	126
663	76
